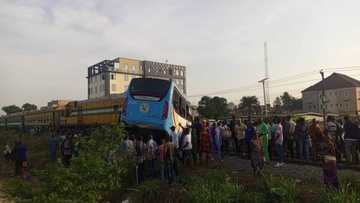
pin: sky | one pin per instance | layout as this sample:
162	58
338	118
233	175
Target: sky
46	46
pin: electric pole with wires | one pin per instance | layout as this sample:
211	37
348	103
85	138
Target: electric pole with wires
323	105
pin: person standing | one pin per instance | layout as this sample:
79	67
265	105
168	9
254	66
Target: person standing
20	155
351	139
331	128
151	155
170	160
316	136
53	146
233	133
7	152
302	139
290	137
329	163
205	144
163	170
250	132
186	147
286	129
272	150
67	149
240	135
218	142
140	148
263	131
279	138
256	157
174	136
195	139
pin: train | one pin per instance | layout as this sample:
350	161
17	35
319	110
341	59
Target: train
149	103
156	104
72	114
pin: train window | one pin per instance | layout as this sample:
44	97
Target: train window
182	107
116	108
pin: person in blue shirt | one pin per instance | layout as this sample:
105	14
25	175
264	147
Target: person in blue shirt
20	155
53	142
250	133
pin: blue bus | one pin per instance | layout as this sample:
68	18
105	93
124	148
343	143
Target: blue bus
155	104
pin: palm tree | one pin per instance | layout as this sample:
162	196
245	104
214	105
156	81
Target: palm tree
249	104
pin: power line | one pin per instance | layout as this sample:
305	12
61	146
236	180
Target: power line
256	86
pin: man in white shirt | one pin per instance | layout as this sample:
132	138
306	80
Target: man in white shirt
152	148
331	128
174	136
279	138
186	146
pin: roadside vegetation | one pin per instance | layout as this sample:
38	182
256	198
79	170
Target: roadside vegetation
102	174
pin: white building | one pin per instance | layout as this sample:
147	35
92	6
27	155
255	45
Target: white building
342	95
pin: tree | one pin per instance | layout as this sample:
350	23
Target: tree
277	105
11	109
29	107
213	107
286	103
250	104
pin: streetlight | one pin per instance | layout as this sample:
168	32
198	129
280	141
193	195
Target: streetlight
265	105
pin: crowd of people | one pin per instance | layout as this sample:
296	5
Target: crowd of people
261	141
58	144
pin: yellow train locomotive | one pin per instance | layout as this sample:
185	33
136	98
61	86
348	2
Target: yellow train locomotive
68	114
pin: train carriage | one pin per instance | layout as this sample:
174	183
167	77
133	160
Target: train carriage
92	112
15	120
2	121
155	104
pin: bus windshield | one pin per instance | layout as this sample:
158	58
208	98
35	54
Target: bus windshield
149	89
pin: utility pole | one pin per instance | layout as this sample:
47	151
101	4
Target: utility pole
266	66
323	96
263	81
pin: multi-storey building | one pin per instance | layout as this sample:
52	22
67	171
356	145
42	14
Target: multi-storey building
113	76
342	95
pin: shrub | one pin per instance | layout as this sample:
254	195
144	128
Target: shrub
150	191
345	195
99	170
278	189
213	187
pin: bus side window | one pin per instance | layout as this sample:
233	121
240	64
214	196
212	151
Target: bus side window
182	107
176	102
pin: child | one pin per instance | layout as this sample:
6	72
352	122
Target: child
256	157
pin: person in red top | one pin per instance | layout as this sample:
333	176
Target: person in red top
162	157
205	144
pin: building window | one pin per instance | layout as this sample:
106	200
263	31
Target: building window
113	77
133	69
116	65
126	76
113	87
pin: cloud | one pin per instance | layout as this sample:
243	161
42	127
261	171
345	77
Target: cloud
46	46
